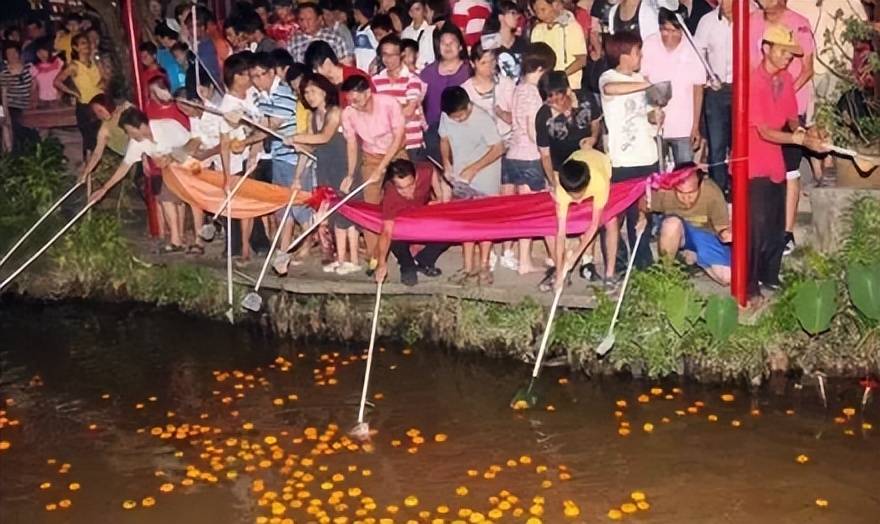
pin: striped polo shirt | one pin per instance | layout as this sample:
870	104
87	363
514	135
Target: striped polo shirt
406	88
280	103
17	86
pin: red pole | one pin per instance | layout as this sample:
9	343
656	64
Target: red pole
740	149
133	42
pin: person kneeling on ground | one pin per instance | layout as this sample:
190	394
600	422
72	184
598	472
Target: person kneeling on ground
586	174
407	186
696	223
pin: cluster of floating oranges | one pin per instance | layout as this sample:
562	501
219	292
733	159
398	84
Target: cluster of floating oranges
6	422
63	487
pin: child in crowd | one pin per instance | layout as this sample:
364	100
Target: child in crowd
365	42
166	59
44	71
410	54
521	171
471	149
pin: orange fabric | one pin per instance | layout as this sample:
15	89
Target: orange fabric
203	189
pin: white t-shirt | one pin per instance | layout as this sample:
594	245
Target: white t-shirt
630	135
168	135
365	45
247	107
207	129
424	36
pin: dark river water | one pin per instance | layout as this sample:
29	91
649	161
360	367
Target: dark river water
188	421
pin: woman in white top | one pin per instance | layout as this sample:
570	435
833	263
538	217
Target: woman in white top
490	91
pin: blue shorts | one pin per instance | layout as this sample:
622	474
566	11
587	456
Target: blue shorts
706	244
282	173
523	173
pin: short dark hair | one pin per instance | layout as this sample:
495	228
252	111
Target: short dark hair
132	117
11	45
454	99
322	83
551	83
37	21
297	70
101	99
409	43
667	15
180	46
336	5
264	60
44	44
163	31
366	7
247	22
282	57
538	55
237	64
391	39
148	47
451	29
265	4
311	5
477	52
319	51
356	83
574	175
202	15
619	44
77	38
507	6
400	168
382	21
72	17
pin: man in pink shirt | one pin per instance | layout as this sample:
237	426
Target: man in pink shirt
666	56
801	70
407	88
374	129
772	112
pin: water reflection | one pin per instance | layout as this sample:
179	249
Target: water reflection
191	421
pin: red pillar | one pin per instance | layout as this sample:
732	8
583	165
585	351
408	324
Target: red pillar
128	21
740	150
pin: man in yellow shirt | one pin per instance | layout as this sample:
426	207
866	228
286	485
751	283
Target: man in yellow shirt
63	38
559	29
586	174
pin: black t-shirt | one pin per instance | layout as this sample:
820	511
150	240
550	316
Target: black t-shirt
510	58
563	133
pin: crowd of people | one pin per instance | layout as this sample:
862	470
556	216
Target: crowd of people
436	100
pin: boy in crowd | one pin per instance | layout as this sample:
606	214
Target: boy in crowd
365	42
72	23
695	222
421	33
165	57
156	139
407	186
631	133
407	88
250	30
585	175
471	149
374	129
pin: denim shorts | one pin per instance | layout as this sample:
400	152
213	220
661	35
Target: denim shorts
523	173
282	173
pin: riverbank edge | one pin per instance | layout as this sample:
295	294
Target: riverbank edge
462	325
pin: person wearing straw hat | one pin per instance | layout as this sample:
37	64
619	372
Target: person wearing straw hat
773	112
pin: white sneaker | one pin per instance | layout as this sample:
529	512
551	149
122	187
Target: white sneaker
331	267
508	261
280	262
346	268
493	260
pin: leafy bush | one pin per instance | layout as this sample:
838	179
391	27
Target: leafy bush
31	180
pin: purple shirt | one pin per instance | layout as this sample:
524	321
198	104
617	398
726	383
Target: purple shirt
436	84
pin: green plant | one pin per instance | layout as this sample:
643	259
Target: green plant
849	125
862	243
815	303
864	288
722	317
31	180
95	254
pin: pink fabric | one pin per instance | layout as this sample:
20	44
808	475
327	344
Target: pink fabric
683	68
803	33
375	129
492	218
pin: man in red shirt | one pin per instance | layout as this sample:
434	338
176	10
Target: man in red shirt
407	186
772	107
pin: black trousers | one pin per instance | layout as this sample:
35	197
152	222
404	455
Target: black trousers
766	232
427	257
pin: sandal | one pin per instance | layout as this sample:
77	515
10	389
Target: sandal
171	248
195	249
462	277
485	278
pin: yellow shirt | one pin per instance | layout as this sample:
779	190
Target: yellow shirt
303	117
63	44
567	41
598	187
87	81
